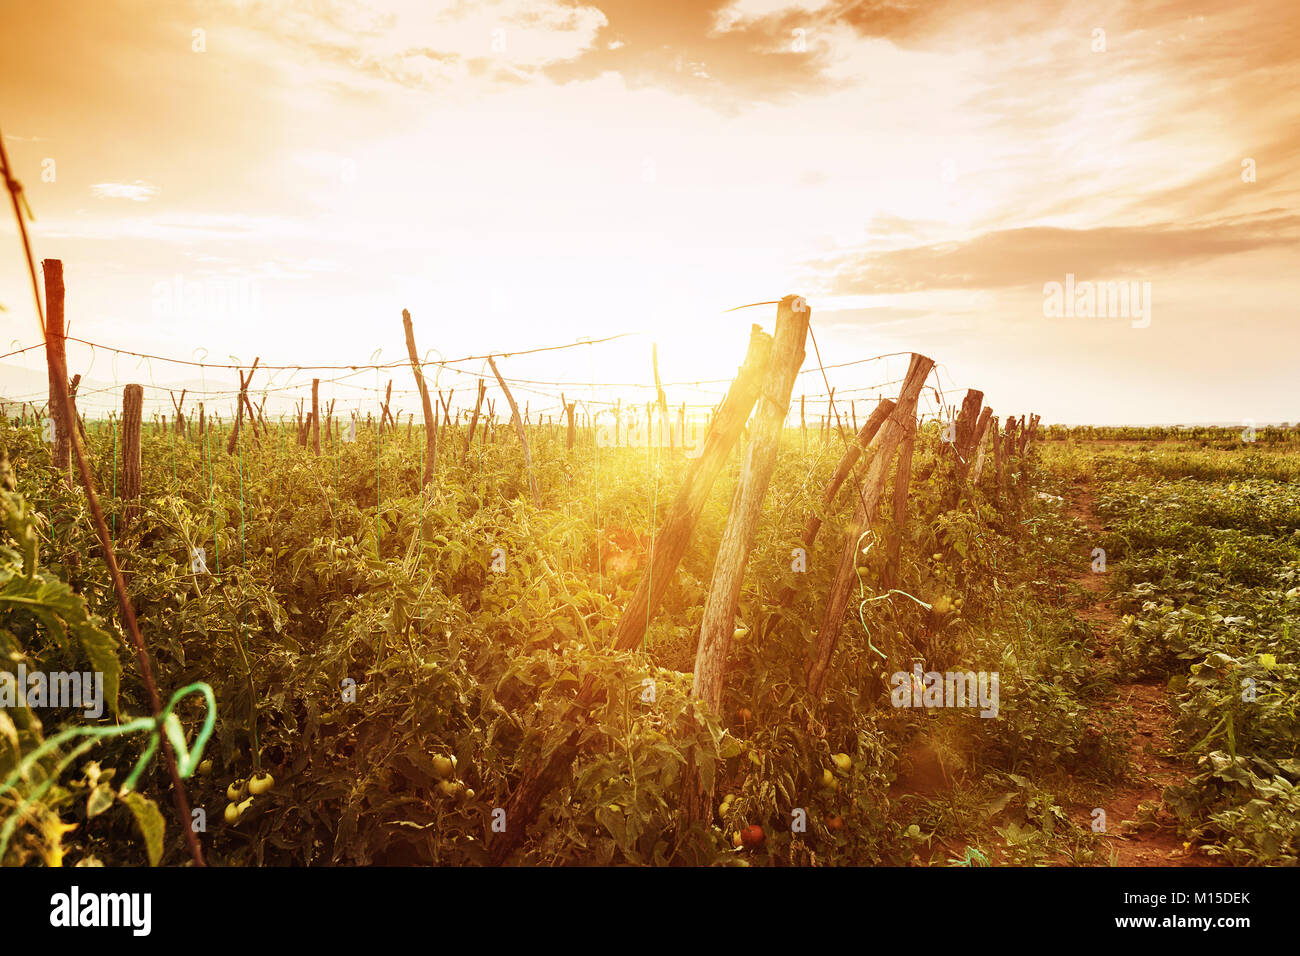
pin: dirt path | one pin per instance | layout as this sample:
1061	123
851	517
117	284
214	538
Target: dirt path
1134	837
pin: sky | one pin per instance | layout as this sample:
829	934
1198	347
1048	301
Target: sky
233	179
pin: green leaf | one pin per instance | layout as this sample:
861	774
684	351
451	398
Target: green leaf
150	821
101	798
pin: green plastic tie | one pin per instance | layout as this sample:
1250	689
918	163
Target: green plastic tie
166	722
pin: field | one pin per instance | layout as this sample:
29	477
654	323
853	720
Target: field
405	659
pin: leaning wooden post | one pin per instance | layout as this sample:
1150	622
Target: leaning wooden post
1009	444
56	359
986	422
902	480
519	428
179	406
966	419
674	536
469	439
240	404
446	413
315	415
718	620
430	423
679	524
882	447
132	413
847	461
73	383
996	432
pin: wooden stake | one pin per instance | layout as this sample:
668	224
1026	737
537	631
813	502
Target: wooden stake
132	413
679	524
430	423
966	419
902	481
56	358
718	621
981	445
469	439
670	545
883	447
180	415
847	460
315	416
519	428
241	404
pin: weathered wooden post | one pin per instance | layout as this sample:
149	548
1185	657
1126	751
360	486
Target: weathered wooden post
132	414
718	621
430	423
1009	443
446	413
315	416
847	460
56	358
384	414
77	417
241	404
671	543
966	419
902	481
883	447
469	439
519	428
996	432
986	422
180	415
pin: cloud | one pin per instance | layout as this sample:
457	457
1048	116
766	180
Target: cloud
431	44
1030	256
138	191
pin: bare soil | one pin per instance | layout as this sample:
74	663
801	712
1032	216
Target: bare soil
1139	830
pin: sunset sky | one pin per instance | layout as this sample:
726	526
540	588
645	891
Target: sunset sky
529	172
